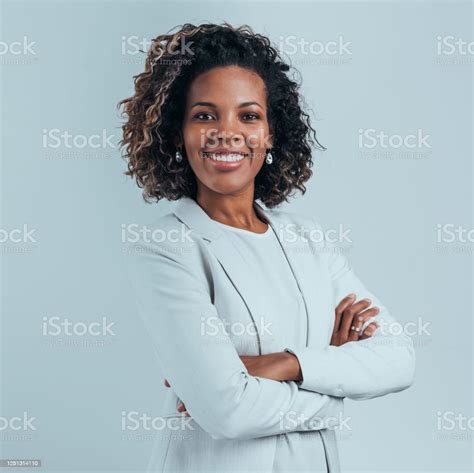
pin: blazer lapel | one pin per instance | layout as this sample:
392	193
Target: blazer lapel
307	274
189	212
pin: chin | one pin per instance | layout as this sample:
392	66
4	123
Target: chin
228	188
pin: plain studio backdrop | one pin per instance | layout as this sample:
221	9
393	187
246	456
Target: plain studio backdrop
389	89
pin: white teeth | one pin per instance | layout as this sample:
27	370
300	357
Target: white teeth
227	157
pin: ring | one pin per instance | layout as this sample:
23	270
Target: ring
355	329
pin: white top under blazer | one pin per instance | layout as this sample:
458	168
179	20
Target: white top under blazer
301	452
208	293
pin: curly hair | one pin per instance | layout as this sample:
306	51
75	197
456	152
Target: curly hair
154	113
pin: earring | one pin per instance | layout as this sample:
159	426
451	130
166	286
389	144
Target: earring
178	156
269	158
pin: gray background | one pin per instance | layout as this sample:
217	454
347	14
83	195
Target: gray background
77	200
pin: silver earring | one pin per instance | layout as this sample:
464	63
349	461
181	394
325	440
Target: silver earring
178	156
269	158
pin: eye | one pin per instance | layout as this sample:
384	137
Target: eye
203	116
251	116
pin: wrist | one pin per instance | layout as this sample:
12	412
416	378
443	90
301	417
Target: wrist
294	368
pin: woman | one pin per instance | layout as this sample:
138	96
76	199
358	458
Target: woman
260	327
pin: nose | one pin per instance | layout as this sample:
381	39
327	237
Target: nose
229	132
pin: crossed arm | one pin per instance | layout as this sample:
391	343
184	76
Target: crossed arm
367	368
234	397
204	368
285	366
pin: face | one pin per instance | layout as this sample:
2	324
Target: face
225	129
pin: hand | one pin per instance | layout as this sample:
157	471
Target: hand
350	313
181	407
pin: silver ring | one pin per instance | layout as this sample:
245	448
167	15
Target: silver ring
355	329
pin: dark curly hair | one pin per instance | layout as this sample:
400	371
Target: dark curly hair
154	113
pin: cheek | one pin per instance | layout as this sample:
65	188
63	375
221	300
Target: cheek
261	139
257	165
192	139
192	136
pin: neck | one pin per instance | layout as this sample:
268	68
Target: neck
236	210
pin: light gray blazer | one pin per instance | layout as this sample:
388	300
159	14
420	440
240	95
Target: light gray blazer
191	285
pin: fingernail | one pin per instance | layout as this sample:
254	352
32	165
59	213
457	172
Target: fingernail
351	295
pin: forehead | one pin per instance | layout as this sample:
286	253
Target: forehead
223	84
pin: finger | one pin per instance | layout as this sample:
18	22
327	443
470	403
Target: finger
359	321
167	384
369	330
341	307
181	407
350	312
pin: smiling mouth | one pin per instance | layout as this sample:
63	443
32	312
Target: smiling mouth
228	157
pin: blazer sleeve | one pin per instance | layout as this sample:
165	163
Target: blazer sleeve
203	366
364	369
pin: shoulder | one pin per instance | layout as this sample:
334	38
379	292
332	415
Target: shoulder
165	237
167	251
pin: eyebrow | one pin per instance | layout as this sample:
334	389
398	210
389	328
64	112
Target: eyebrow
213	105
